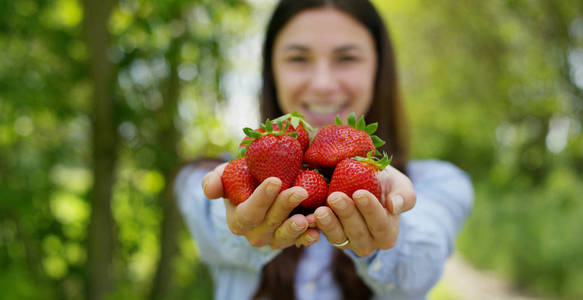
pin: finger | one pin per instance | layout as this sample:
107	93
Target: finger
311	220
308	238
279	211
380	223
398	193
330	225
230	216
252	212
285	202
212	184
289	231
352	221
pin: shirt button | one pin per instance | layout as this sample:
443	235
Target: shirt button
310	287
389	287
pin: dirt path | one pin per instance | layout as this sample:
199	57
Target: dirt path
465	282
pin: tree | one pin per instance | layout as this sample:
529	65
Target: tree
101	237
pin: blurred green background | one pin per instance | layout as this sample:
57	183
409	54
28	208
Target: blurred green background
101	101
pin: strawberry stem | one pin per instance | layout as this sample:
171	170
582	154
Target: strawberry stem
379	163
295	119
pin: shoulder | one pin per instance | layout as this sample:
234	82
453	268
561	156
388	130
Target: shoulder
437	176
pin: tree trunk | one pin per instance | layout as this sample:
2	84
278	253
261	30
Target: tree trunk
100	235
167	162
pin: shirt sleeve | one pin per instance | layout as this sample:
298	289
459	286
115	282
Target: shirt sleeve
426	236
206	221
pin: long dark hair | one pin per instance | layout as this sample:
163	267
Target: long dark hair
386	109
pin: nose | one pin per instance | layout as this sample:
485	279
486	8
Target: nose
323	81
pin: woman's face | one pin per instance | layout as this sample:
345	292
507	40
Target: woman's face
324	64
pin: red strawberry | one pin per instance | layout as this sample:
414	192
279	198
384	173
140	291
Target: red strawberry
316	186
298	125
273	153
333	143
238	182
358	173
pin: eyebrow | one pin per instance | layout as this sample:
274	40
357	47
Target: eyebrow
344	48
347	48
297	47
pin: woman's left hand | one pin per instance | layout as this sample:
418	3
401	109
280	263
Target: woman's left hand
363	220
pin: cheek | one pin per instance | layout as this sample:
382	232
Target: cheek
289	85
360	88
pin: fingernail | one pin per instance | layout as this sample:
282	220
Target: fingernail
272	188
361	199
397	204
297	227
204	183
337	202
309	238
324	218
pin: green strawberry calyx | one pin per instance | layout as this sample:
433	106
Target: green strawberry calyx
269	130
295	119
379	163
361	125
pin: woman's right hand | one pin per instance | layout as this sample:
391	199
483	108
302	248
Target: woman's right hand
263	217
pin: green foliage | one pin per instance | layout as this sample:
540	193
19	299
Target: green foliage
45	137
493	87
536	231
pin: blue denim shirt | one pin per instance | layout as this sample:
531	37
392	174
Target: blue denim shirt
408	271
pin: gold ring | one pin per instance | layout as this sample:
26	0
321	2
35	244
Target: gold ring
341	244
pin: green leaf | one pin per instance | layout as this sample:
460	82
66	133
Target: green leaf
337	121
295	122
352	120
361	124
246	142
293	134
380	164
307	126
268	126
377	141
242	152
297	115
371	128
251	133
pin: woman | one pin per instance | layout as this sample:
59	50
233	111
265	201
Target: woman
323	58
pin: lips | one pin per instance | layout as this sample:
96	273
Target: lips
323	109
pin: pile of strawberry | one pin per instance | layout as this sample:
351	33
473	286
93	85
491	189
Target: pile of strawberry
281	148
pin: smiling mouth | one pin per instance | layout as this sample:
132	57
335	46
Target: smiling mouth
321	114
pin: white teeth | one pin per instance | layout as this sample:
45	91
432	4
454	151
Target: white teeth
323	109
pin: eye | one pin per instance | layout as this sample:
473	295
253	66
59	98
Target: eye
297	59
347	58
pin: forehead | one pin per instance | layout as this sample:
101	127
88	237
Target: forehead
323	27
